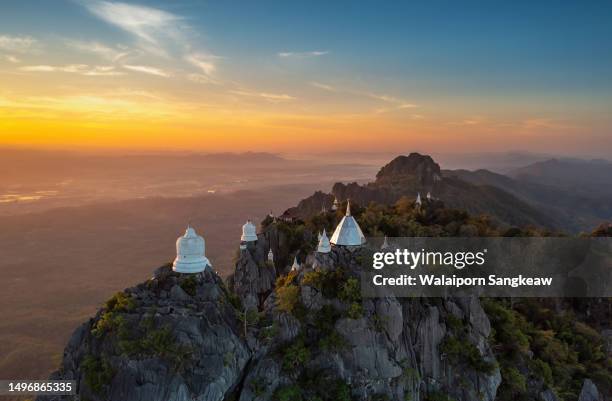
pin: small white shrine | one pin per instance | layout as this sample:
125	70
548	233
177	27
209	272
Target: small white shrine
296	266
270	256
249	232
324	244
190	253
348	232
335	205
418	201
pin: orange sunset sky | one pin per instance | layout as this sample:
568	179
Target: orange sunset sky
217	77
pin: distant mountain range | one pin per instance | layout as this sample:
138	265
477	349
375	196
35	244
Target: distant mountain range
543	194
577	195
591	178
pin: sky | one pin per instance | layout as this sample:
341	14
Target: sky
310	76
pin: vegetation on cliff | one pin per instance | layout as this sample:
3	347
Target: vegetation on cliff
536	345
533	342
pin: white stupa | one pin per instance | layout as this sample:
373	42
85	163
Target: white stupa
348	232
324	244
418	202
296	265
385	244
190	253
270	256
249	232
335	205
428	196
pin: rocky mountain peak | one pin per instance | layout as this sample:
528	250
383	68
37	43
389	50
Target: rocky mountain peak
421	167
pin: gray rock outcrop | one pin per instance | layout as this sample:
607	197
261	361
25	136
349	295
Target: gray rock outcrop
589	392
175	337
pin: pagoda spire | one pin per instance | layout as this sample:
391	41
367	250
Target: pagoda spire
324	245
348	232
296	265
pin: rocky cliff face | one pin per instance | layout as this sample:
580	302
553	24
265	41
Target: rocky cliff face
186	337
328	341
170	338
421	169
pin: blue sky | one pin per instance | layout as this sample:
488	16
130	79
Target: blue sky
444	61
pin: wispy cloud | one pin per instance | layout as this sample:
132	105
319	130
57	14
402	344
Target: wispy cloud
145	69
276	97
201	79
469	121
41	68
543	123
316	53
18	44
82	69
157	32
109	53
392	103
390	99
90	107
205	62
406	106
12	59
103	70
272	97
149	24
325	87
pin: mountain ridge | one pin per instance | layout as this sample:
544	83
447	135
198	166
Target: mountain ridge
405	176
571	210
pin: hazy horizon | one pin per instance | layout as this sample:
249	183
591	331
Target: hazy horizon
365	155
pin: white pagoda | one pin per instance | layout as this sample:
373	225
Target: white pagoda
324	244
418	201
270	256
190	253
348	232
249	232
335	205
296	266
428	196
385	244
